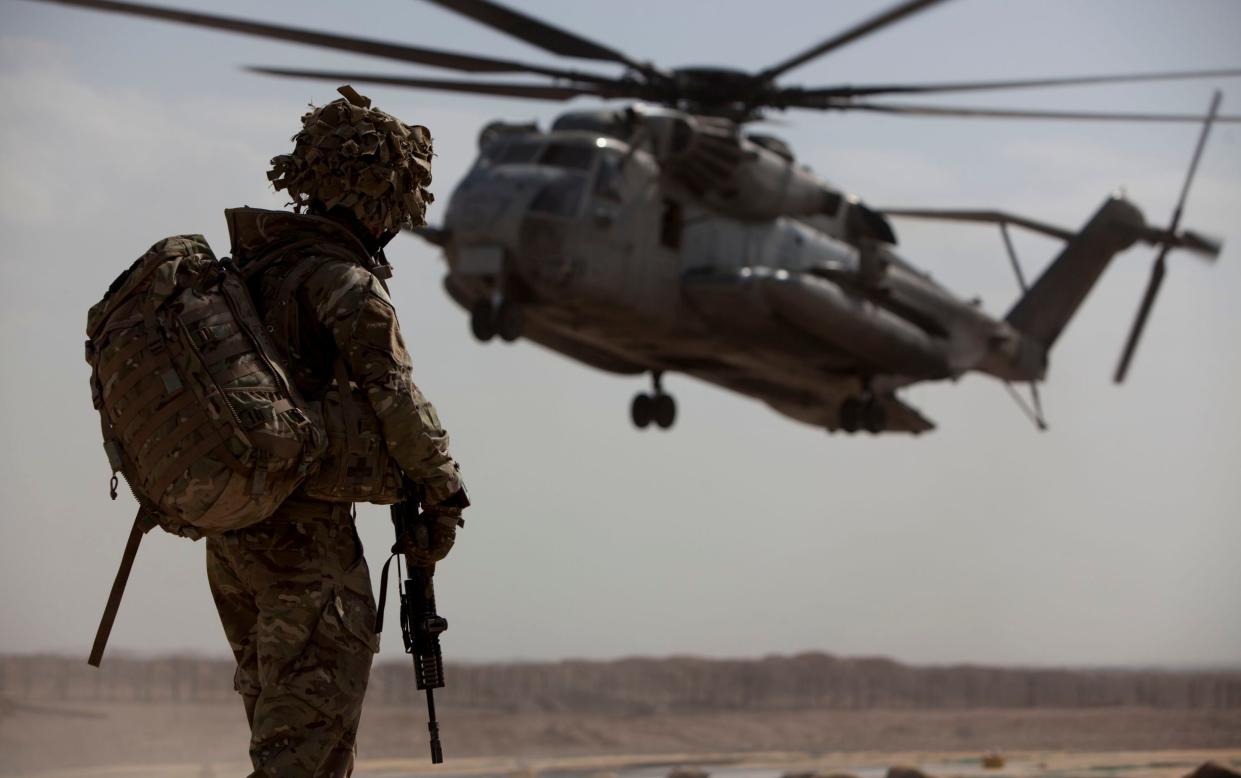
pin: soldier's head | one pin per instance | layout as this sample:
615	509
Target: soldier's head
358	163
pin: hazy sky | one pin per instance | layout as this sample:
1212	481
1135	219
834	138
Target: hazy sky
1111	539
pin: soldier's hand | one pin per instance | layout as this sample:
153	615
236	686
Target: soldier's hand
432	539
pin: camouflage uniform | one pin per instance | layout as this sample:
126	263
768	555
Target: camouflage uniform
294	595
294	592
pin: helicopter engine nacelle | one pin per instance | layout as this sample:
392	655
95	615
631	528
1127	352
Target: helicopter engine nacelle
746	178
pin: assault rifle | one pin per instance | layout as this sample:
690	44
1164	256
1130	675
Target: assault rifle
420	624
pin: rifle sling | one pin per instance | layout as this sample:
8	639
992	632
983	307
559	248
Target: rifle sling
140	528
383	590
383	595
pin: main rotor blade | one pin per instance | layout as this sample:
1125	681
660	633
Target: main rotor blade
535	31
980	86
1005	113
529	91
861	30
375	48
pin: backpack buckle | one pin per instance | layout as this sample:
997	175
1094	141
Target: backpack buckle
296	416
205	336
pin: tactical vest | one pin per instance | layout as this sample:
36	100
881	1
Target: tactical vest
356	466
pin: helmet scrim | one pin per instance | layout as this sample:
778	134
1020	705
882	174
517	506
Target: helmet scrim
357	157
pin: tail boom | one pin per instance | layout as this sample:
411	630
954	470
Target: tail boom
1042	313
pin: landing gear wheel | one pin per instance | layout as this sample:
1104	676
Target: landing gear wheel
483	321
664	410
642	411
509	322
874	416
851	415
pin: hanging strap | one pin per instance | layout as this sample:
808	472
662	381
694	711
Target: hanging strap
142	524
383	594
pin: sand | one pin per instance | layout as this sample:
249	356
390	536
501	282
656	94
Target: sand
208	741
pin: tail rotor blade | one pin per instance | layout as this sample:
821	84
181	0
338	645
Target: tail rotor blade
1139	322
1160	268
1193	165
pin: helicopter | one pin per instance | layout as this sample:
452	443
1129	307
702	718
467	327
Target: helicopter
665	236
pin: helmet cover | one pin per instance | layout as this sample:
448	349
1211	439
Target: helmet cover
351	155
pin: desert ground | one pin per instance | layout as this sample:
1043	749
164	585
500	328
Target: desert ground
178	717
143	740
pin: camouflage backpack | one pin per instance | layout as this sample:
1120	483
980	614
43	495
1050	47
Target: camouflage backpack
197	413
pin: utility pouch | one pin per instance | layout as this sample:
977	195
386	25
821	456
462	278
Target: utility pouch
356	467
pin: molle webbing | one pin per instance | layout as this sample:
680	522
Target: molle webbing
156	462
137	442
163	478
115	361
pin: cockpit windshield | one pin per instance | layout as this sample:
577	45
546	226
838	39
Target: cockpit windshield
515	152
539	151
573	156
563	195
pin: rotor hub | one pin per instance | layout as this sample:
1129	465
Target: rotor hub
726	92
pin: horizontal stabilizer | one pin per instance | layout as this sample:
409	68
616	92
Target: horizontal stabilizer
980	217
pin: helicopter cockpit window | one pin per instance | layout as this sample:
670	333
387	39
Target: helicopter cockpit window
569	155
518	152
610	176
562	196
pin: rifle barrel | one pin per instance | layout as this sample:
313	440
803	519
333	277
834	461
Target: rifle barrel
433	725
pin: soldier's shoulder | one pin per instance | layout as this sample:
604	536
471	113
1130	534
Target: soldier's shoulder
333	279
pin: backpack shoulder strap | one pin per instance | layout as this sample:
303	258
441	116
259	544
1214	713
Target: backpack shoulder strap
272	255
283	304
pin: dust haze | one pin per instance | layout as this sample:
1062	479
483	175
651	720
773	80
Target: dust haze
1108	542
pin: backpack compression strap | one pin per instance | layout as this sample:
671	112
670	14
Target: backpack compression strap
142	525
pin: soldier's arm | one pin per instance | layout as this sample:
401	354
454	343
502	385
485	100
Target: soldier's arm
351	303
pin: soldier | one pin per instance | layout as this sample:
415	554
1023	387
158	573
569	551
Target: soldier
294	592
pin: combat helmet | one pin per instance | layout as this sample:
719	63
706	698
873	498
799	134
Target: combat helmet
352	157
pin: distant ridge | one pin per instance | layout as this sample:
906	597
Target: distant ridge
640	686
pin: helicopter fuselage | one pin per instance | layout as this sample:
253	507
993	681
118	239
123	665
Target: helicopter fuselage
663	237
778	287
